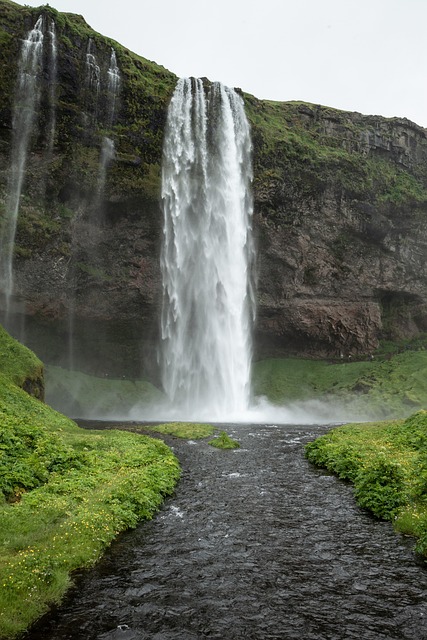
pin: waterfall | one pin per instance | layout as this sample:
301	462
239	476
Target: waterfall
108	148
113	86
107	154
93	72
207	253
92	81
53	71
25	106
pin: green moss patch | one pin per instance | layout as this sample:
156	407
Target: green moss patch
186	430
17	363
223	441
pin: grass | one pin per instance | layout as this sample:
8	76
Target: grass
293	134
65	493
17	363
296	379
387	464
223	441
393	386
185	430
80	394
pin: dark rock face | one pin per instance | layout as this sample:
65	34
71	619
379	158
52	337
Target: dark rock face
340	216
34	387
342	232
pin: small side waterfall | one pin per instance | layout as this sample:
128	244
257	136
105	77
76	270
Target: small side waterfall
92	80
208	301
107	155
113	86
26	102
53	71
108	148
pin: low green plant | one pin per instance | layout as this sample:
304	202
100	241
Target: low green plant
17	363
186	430
387	464
380	487
65	493
223	441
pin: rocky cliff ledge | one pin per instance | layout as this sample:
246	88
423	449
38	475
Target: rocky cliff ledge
340	214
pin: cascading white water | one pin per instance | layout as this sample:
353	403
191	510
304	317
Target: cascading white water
92	83
107	154
108	147
113	86
207	252
26	102
53	71
93	72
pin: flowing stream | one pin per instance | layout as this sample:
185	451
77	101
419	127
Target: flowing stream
256	544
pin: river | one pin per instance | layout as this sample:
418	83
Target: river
256	544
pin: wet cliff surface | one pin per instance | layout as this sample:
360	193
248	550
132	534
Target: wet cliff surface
340	213
255	544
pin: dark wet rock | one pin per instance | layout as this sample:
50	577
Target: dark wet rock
340	216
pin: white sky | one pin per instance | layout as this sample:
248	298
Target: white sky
359	55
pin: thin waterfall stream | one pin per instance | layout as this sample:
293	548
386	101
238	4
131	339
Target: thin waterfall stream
24	111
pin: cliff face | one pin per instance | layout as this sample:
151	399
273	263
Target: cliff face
340	214
341	219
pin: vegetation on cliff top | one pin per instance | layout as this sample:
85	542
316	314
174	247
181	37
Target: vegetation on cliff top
306	147
387	464
65	493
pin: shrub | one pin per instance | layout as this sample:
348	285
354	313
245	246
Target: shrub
223	441
380	487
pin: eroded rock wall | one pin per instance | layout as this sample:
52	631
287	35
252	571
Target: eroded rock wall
340	216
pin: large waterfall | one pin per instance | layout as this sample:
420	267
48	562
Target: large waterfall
26	103
207	253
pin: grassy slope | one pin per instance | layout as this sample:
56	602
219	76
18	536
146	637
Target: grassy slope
65	493
387	464
17	363
80	395
381	389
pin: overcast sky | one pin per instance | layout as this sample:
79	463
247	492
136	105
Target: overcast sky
359	55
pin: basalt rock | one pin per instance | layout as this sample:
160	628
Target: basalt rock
340	215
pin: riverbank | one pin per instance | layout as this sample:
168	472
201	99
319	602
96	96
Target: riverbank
387	464
65	493
255	544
